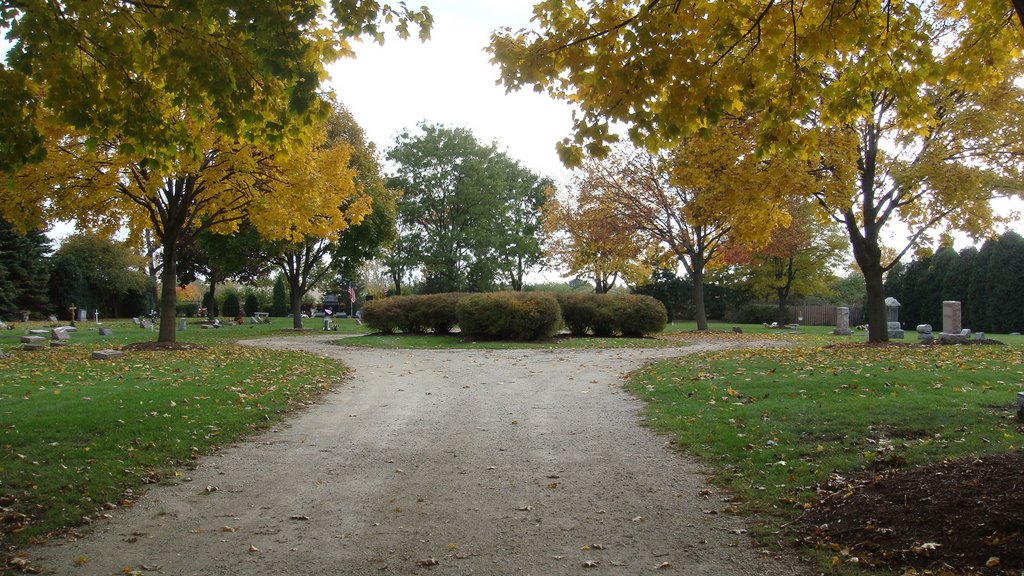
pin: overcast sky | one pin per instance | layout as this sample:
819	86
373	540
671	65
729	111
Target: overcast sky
449	80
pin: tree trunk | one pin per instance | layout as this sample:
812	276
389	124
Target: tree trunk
1018	5
699	311
168	293
212	311
782	313
295	293
878	318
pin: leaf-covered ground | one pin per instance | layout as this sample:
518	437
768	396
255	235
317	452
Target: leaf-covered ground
81	436
777	423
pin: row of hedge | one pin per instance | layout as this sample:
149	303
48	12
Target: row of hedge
517	315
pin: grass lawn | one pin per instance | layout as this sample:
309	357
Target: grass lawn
78	435
774	423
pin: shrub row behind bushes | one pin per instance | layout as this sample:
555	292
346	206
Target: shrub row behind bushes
412	314
510	315
607	315
516	315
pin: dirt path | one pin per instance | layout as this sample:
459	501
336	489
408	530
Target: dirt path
487	462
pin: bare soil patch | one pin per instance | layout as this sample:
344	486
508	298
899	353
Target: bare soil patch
960	516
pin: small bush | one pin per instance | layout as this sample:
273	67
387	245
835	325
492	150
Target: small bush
509	315
605	315
385	315
643	315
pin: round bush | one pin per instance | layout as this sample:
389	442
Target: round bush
385	314
231	305
252	304
438	311
509	315
577	311
643	315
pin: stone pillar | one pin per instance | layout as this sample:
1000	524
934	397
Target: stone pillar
842	322
951	325
894	326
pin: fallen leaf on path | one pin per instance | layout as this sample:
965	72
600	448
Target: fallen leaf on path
639	519
428	562
81	561
253	548
228	529
664	566
525	508
299	517
590	564
992	562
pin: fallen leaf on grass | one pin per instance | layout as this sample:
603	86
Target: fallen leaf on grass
992	562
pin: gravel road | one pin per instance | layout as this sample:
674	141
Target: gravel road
454	462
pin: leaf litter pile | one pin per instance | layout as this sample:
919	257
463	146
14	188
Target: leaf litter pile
963	513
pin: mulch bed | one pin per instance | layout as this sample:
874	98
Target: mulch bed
961	517
162	346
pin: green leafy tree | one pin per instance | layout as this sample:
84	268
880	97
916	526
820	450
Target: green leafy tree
900	130
221	257
471	212
67	285
111	271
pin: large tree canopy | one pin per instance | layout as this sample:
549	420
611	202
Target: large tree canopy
909	109
471	213
134	72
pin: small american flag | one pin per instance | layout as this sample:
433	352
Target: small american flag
351	293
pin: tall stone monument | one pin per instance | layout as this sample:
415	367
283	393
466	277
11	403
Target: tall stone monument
842	322
895	328
952	328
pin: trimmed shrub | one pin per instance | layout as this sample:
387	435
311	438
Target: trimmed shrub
384	315
509	315
577	311
643	315
605	315
438	311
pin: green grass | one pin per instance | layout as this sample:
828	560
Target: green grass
774	423
76	434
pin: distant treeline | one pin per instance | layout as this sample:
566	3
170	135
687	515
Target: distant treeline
987	282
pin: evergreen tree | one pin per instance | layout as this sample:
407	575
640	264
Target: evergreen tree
67	285
1005	269
26	267
958	285
279	305
978	289
252	304
231	305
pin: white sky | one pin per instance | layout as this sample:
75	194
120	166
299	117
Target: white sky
449	80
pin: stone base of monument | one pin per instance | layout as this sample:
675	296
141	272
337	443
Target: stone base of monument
895	330
955	338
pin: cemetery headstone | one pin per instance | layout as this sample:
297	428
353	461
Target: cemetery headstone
924	333
106	331
894	326
24	316
51	318
181	325
83	314
737	330
106	354
979	335
59	335
951	318
33	342
58	343
842	322
135	321
145	325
